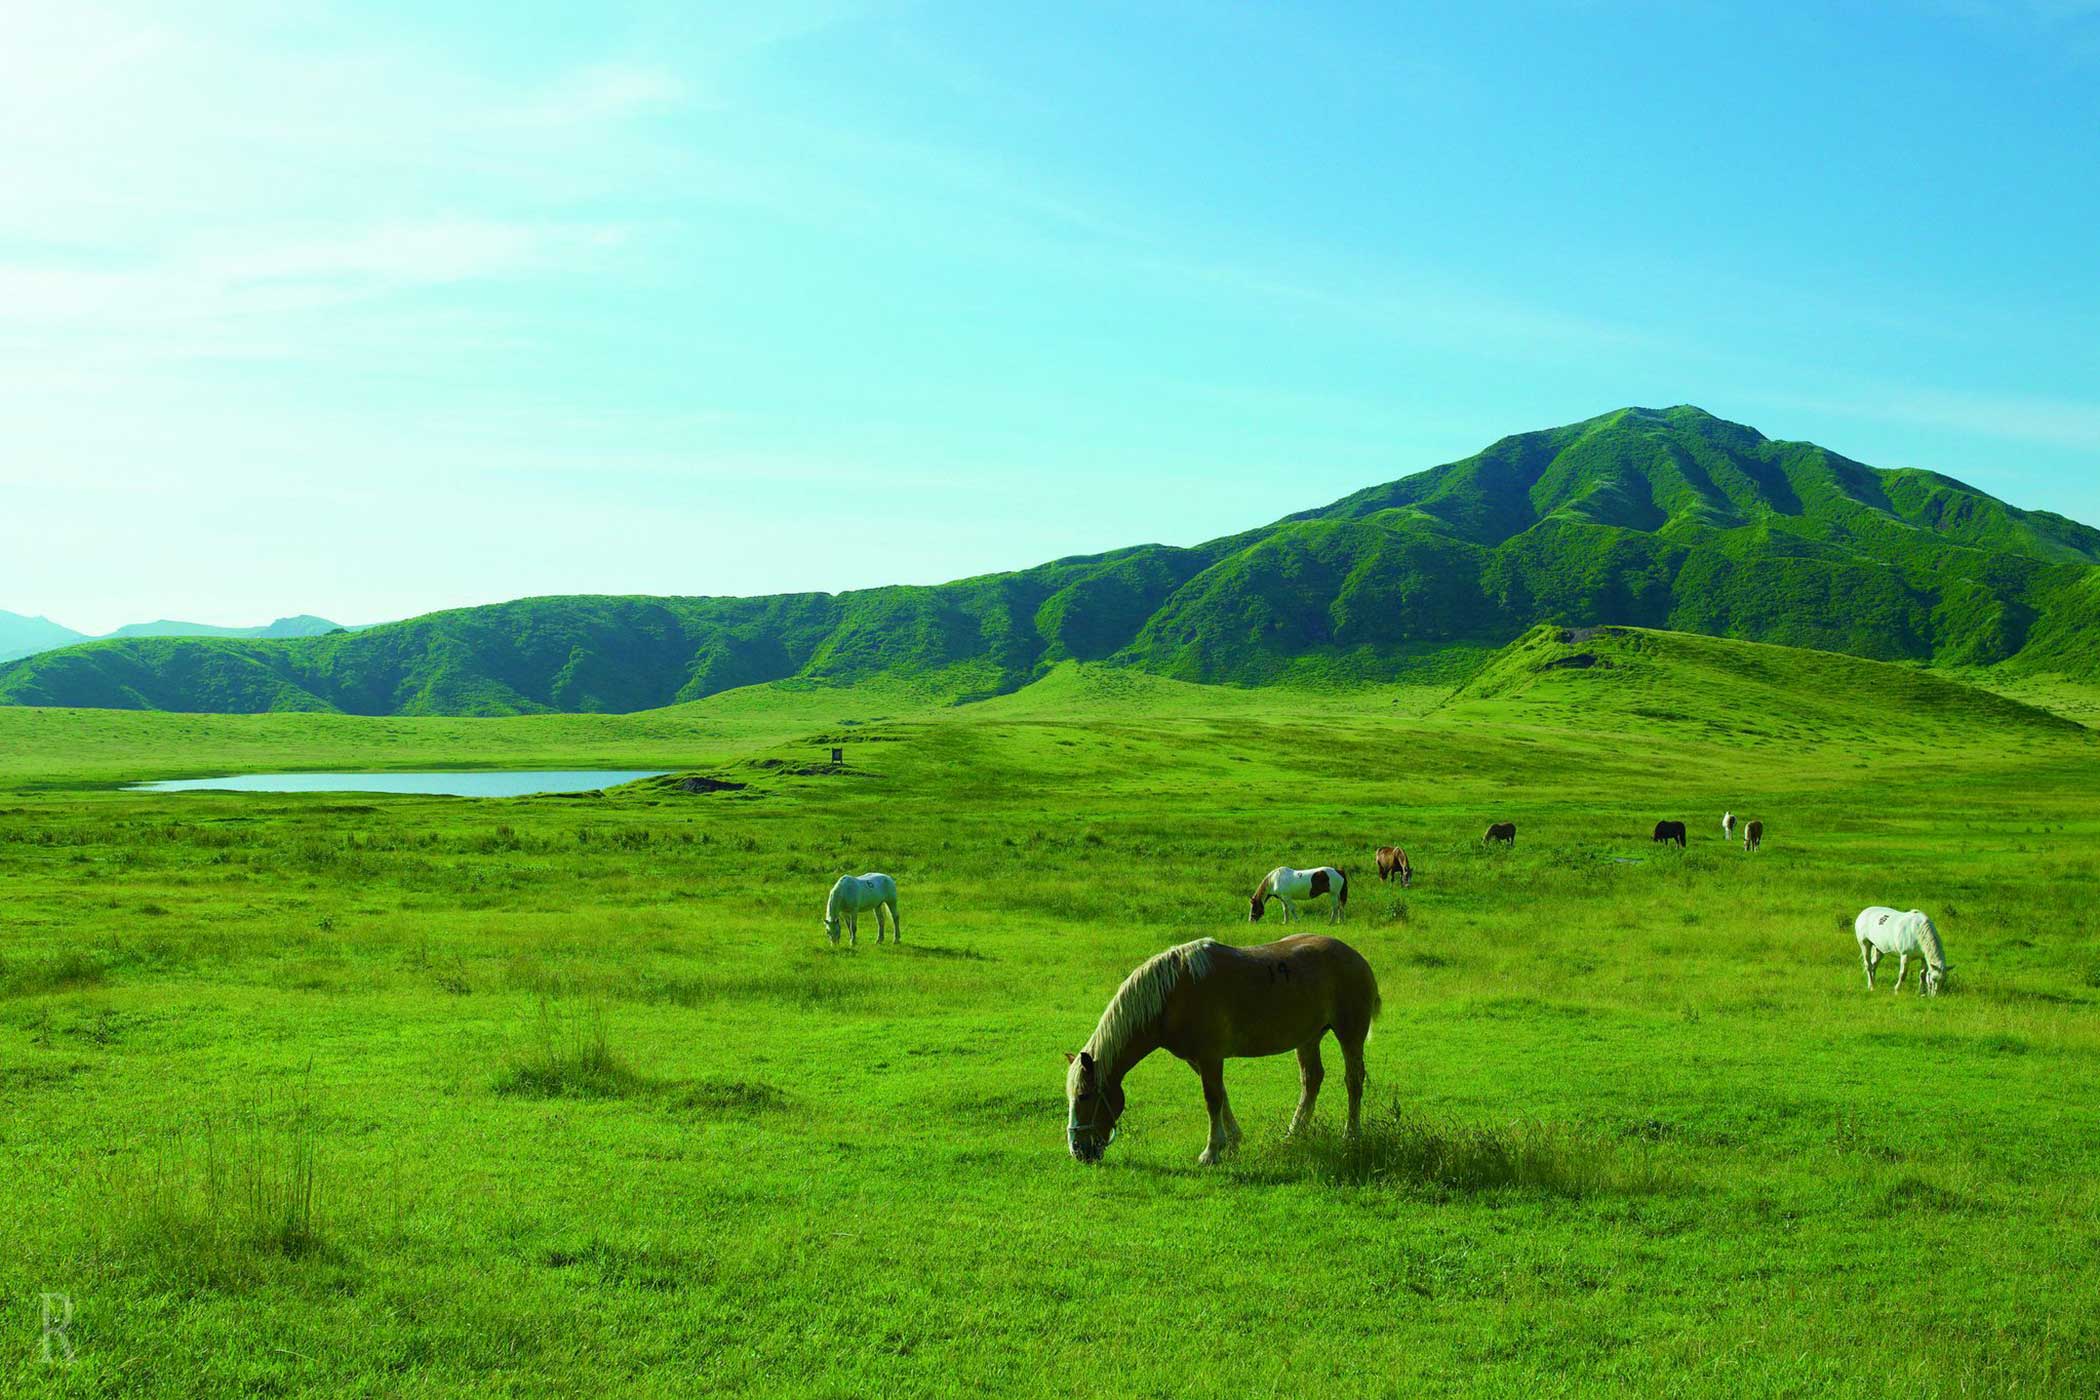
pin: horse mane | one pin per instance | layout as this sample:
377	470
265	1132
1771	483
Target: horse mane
1143	996
1929	941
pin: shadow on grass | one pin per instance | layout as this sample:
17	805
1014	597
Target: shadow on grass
934	950
729	1096
1403	1150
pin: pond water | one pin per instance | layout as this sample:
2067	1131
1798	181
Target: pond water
484	784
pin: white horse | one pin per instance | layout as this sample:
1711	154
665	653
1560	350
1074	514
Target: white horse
1883	931
1284	884
1727	825
853	896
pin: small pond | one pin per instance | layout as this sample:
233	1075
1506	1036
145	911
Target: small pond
483	784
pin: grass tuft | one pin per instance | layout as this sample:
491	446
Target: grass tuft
568	1059
214	1205
1410	1151
55	973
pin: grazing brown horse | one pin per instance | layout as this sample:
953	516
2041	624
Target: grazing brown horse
1754	837
1505	832
1208	1002
1670	831
1393	861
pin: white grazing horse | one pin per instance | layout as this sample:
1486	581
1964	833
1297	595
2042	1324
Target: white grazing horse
1883	931
853	896
1284	884
1727	825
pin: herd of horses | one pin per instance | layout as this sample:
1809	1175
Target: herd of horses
1207	1002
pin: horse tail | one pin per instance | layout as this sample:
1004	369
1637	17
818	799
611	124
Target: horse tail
1341	895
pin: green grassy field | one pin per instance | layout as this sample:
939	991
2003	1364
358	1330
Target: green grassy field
569	1095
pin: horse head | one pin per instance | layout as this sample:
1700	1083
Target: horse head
831	928
1092	1107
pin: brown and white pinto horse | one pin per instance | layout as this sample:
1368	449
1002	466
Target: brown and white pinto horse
1283	884
1393	861
1208	1002
1754	837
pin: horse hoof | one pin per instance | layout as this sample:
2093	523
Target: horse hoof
1209	1158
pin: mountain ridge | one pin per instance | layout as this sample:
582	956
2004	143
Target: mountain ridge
1667	519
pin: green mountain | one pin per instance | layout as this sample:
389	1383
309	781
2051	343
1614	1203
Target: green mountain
1667	519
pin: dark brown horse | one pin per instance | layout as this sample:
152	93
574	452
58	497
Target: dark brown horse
1208	1002
1504	832
1754	837
1670	831
1393	861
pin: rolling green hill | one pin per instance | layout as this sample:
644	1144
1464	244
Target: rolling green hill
1667	519
1629	679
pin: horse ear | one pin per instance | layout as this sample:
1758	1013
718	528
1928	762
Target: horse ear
1070	1057
1086	1062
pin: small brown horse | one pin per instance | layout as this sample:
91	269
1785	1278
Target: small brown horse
1754	837
1208	1002
1504	832
1393	861
1670	831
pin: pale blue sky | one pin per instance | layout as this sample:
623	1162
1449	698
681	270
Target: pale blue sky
371	310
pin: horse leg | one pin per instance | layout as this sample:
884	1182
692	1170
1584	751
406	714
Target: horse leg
1213	1074
1289	910
1310	1073
1353	1079
896	928
1866	960
853	927
1902	966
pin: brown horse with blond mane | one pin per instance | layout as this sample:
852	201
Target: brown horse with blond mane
1393	861
1208	1002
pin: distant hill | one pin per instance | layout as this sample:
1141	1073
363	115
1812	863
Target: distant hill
23	636
304	625
1670	519
26	636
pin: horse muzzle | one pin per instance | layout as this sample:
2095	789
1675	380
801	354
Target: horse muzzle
1087	1150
